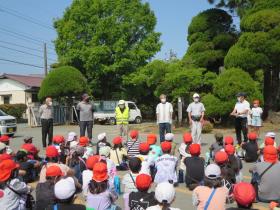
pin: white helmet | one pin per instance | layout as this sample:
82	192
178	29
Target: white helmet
121	102
196	95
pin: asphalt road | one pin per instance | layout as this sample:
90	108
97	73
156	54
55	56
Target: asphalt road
183	196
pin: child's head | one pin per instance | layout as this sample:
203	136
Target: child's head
58	139
169	137
21	156
53	173
143	182
256	103
166	147
144	148
135	165
151	139
165	194
219	138
252	136
92	160
230	149
268	141
212	176
64	190
28	139
244	195
221	158
72	136
52	154
8	170
187	137
5	139
271	135
117	141
228	140
105	151
134	134
102	137
194	150
83	141
99	182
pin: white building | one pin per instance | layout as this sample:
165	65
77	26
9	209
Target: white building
19	89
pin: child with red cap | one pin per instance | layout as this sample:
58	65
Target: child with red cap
6	140
251	148
166	165
118	154
133	144
234	161
31	149
147	161
228	140
99	196
155	150
183	153
46	189
142	199
194	167
244	194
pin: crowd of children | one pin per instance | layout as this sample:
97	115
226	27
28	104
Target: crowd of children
71	167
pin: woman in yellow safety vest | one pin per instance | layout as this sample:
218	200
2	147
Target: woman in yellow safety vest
122	117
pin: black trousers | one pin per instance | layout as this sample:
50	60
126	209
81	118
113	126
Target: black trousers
241	126
47	130
86	125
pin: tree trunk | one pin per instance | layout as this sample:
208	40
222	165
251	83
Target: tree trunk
275	89
267	94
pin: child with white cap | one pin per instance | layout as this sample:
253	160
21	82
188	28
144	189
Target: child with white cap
165	195
102	142
170	137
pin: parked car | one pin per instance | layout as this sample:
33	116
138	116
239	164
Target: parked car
104	112
8	124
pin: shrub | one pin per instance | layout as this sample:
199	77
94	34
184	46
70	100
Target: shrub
207	127
15	110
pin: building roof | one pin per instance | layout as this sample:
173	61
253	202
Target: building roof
30	81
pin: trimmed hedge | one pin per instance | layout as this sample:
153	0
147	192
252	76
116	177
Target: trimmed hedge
15	110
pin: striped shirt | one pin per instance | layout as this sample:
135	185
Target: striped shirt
133	148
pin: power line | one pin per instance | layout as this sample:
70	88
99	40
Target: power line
24	17
21	63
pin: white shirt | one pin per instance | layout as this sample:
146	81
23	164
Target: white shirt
256	111
147	161
87	176
157	207
164	112
166	168
241	107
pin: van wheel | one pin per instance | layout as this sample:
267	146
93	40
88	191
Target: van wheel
112	121
138	120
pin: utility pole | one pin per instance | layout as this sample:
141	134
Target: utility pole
45	59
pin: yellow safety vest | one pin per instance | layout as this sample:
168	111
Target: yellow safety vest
122	117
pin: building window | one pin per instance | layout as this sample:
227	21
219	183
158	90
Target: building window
35	97
6	99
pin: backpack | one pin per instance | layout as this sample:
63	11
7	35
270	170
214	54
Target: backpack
43	191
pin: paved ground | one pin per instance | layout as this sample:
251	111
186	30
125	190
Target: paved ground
183	196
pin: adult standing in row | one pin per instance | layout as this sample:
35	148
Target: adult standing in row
122	117
46	116
196	111
240	112
164	113
86	116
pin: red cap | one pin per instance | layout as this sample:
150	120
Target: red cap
194	149
6	168
230	149
221	157
151	139
5	156
58	139
29	148
269	141
51	151
100	172
252	136
143	182
134	134
228	140
117	140
166	146
54	170
144	147
187	137
4	138
244	194
270	154
83	141
92	160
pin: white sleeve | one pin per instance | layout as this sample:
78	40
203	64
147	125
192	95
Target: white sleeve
247	106
189	109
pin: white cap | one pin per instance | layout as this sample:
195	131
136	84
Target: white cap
101	136
121	102
212	171
71	136
2	146
105	151
165	192
270	134
65	188
169	137
196	95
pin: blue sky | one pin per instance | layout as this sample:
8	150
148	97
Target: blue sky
173	18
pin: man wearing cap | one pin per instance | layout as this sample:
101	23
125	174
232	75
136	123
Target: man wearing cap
240	112
46	116
164	113
86	116
196	111
122	117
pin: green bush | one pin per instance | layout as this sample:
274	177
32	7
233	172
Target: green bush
15	110
207	127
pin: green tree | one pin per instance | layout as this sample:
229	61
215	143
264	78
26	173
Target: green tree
210	35
107	40
61	82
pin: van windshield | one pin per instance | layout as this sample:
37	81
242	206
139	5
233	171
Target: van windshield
105	106
2	113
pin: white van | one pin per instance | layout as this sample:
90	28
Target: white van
8	124
104	112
